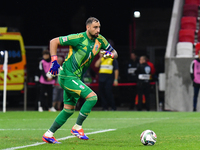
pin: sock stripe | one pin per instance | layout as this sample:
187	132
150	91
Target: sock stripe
82	114
93	98
69	110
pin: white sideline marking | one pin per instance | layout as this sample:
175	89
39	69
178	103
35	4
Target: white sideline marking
42	119
37	129
60	139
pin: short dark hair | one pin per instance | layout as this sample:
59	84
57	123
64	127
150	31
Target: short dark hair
133	52
91	19
46	52
145	58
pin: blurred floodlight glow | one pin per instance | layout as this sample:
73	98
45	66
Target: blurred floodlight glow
136	14
2	53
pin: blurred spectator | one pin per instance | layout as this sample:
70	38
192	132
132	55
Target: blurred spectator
46	81
143	86
195	75
108	75
57	90
153	70
132	77
131	67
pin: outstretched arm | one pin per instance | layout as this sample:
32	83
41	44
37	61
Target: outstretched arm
54	45
53	51
115	54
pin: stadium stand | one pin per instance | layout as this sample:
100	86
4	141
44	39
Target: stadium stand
188	23
186	35
192	2
190	10
198	35
177	68
184	49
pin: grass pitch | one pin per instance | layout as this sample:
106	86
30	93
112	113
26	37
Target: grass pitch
111	130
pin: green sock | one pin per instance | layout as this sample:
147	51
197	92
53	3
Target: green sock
61	119
86	109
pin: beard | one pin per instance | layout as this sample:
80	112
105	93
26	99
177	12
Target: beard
93	35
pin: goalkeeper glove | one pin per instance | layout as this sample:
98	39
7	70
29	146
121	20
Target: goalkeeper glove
107	54
53	71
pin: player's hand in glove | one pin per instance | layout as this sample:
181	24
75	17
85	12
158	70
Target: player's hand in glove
107	54
53	71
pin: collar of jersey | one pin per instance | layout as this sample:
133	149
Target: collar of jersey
89	38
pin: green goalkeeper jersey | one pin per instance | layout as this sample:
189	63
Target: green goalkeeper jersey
82	51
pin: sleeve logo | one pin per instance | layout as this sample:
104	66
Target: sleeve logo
64	39
82	87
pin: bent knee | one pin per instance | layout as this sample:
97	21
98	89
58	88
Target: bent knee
91	95
92	100
67	106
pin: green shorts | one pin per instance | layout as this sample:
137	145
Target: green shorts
74	88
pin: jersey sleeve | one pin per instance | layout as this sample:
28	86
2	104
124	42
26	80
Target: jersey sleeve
104	44
72	39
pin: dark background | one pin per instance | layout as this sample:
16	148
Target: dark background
40	21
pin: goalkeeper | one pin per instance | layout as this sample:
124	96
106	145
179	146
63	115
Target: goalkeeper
83	47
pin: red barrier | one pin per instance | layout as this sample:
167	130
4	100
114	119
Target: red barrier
97	84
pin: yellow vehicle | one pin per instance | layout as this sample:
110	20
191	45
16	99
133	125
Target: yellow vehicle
13	43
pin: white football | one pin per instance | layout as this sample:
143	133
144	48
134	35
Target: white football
148	137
